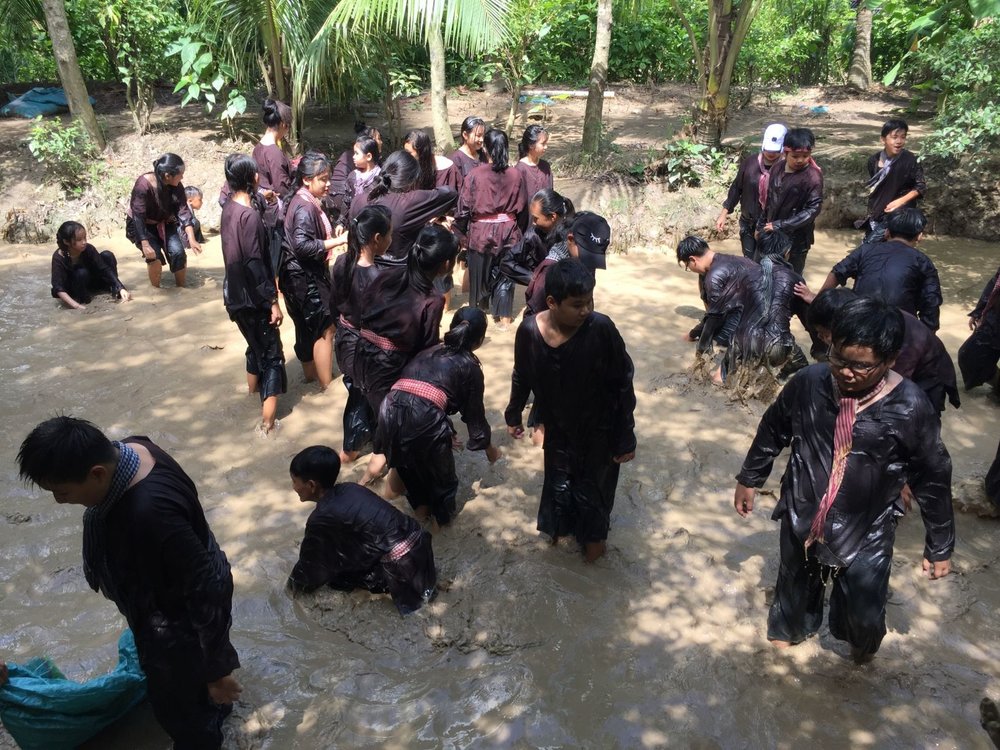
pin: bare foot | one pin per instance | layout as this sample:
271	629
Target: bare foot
593	551
780	644
717	377
394	486
538	436
349	457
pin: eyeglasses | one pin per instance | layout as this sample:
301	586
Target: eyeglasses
858	368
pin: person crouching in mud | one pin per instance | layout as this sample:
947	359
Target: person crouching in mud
858	432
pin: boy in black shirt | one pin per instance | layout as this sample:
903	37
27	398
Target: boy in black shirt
896	179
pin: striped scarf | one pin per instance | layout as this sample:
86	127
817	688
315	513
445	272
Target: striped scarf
95	559
314	202
843	438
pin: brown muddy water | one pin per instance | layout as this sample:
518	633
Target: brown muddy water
661	644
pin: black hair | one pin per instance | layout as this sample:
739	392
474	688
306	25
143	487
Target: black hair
906	223
529	138
421	143
691	246
823	309
317	463
894	124
368	146
370	221
798	139
568	278
63	449
311	164
496	145
166	166
400	174
360	128
192	191
470	123
276	113
435	245
66	233
241	173
553	204
869	322
468	327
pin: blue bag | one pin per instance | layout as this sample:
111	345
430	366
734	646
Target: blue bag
38	102
43	710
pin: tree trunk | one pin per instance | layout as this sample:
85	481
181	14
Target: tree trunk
860	74
444	140
515	104
593	115
272	40
69	70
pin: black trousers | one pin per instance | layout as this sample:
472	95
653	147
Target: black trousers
264	355
978	357
578	490
431	480
83	285
309	308
172	253
857	597
748	243
359	420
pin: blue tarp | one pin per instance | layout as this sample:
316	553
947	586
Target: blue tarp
38	102
43	710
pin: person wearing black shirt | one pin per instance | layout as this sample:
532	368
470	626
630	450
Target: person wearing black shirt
978	356
79	271
895	180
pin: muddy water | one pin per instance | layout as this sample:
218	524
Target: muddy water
660	644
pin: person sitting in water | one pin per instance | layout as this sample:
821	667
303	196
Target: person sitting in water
79	271
356	540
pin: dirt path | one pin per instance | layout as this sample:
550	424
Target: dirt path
662	644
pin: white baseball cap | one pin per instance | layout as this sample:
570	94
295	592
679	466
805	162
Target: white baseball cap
774	137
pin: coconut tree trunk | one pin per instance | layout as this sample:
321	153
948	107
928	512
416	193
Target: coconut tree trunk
443	139
593	115
69	69
860	74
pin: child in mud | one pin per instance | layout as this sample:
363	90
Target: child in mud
895	270
745	189
722	279
575	361
584	236
356	540
895	180
148	548
858	431
792	195
194	201
414	431
79	271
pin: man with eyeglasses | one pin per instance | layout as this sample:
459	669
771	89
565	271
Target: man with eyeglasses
858	432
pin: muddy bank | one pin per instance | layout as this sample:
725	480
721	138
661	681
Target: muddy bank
662	644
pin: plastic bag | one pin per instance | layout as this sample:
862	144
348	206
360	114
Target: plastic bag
43	710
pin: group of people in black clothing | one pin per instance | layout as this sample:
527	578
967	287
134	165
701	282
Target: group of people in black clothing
863	425
393	230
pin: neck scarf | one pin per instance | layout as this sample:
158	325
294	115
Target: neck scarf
314	202
763	181
558	252
879	177
843	438
95	560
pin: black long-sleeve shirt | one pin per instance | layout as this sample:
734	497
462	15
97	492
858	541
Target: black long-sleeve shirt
745	189
901	275
62	267
249	280
583	387
897	439
764	321
350	531
905	175
173	581
988	316
722	290
794	200
305	237
146	211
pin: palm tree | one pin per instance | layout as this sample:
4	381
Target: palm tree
859	75
593	114
468	26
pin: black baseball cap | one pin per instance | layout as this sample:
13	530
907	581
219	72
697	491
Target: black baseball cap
592	236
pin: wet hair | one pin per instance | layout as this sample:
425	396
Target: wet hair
552	203
192	191
66	233
421	143
906	223
317	463
691	246
311	164
771	246
869	322
241	173
400	174
370	221
532	134
894	124
276	113
496	145
799	139
368	146
63	449
468	327
470	123
568	278
166	166
435	245
823	309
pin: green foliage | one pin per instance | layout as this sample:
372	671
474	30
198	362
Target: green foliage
685	163
65	151
206	79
